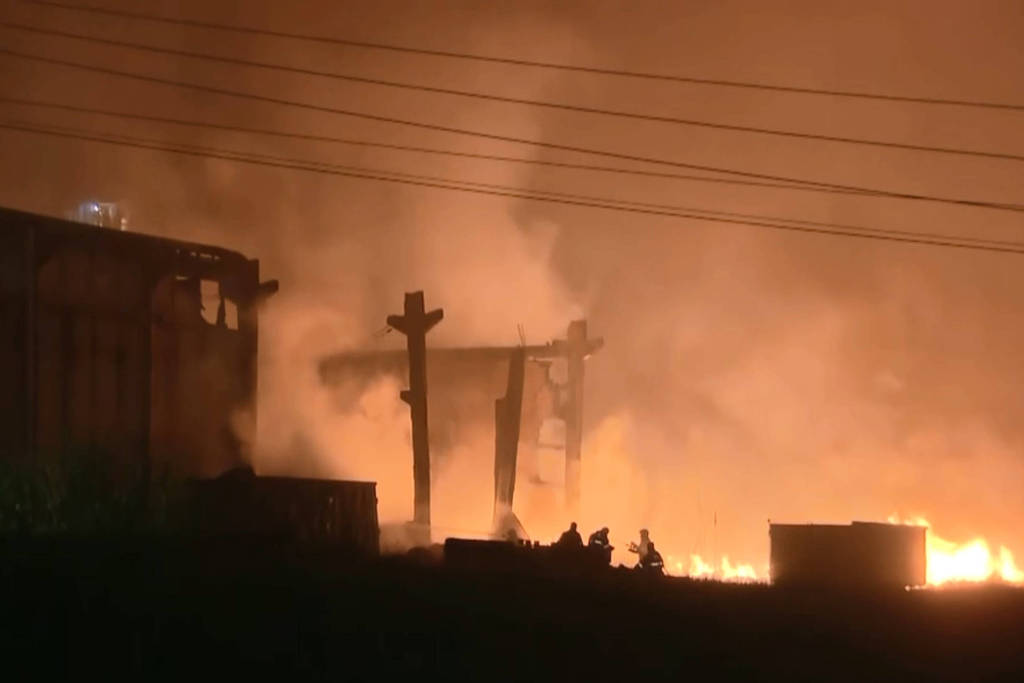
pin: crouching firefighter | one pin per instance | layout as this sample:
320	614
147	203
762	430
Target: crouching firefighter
651	563
570	538
598	542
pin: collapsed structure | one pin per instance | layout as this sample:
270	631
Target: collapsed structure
857	554
512	387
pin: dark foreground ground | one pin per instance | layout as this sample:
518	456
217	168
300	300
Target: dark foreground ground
176	611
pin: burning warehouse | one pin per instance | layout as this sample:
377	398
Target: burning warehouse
798	226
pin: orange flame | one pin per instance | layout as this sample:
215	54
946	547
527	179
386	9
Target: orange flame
948	562
699	569
951	562
741	572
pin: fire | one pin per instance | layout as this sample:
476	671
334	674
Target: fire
741	572
972	561
1007	569
948	562
699	569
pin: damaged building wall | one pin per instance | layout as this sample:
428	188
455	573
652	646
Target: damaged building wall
110	351
201	374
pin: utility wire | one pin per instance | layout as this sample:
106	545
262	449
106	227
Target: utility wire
391	47
779	219
440	183
554	195
406	122
411	148
589	198
511	100
492	136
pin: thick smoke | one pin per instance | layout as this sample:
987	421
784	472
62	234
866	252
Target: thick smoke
747	375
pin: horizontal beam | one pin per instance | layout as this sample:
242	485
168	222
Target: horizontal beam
397	357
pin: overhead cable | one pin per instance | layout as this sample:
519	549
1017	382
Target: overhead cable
508	192
492	136
522	62
653	118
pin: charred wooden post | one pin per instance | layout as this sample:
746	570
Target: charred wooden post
415	324
577	348
507	417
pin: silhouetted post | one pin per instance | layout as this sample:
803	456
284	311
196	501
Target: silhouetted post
577	348
507	418
415	324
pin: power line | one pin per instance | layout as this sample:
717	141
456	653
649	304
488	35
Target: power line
476	188
654	118
528	63
412	148
784	219
493	136
406	122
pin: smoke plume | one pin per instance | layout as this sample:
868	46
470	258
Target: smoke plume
747	375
